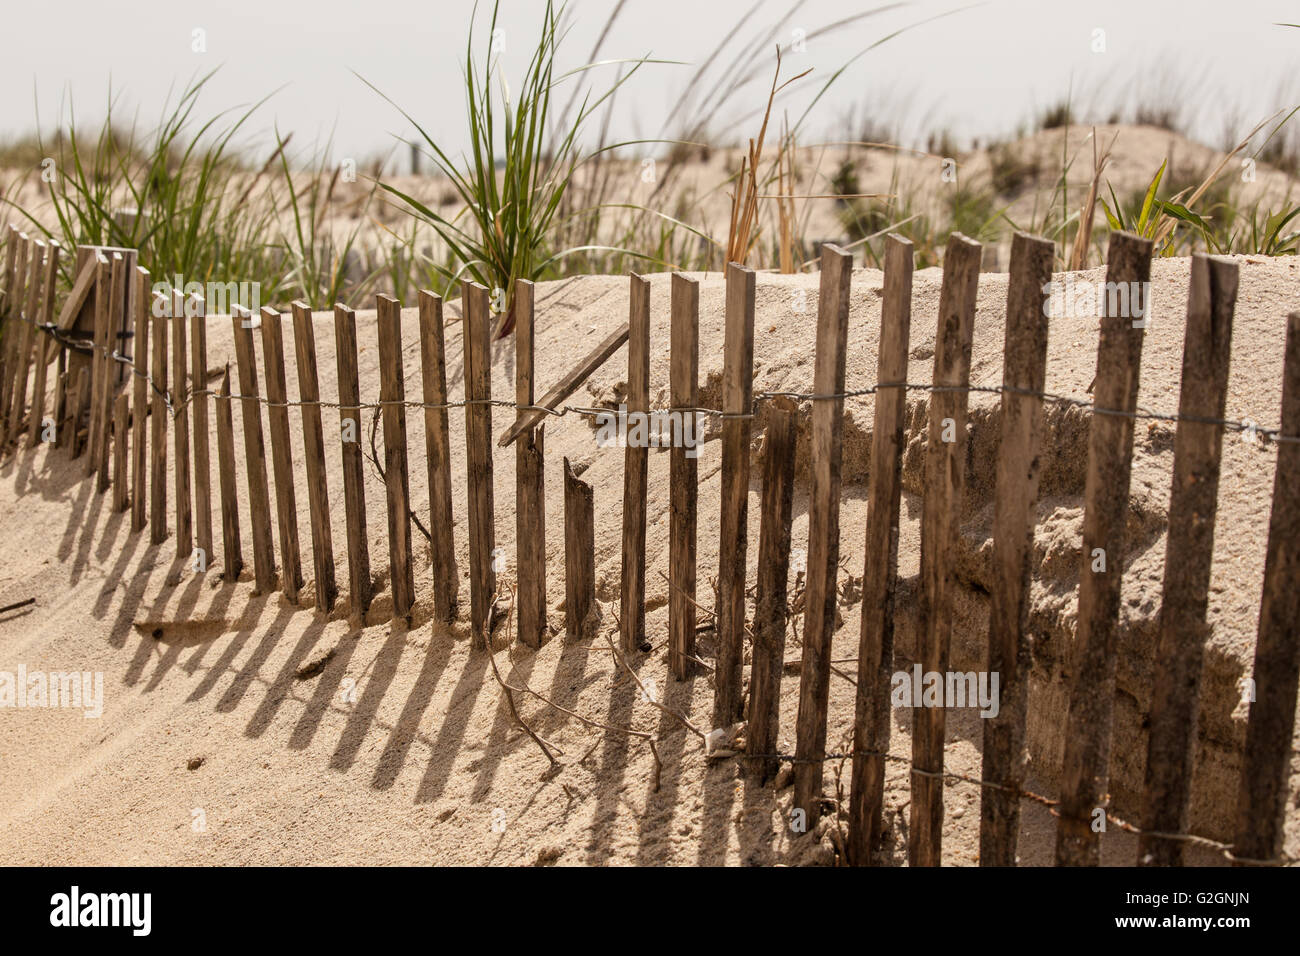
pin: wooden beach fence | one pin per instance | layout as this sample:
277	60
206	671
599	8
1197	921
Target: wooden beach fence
171	349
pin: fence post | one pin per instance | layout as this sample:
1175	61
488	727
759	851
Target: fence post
354	495
1024	370
99	389
1189	554
773	577
392	393
478	453
121	498
232	558
313	443
683	471
202	443
23	339
827	439
737	403
42	355
181	433
579	554
945	467
277	415
437	442
259	496
158	431
636	462
530	484
871	727
79	402
140	401
1086	767
1262	801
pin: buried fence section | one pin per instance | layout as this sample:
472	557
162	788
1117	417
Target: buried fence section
354	494
42	355
181	428
437	453
530	485
158	416
945	461
1189	553
259	495
277	415
1024	374
636	464
476	343
313	444
579	554
202	443
1266	765
139	400
770	616
1085	770
392	393
737	405
880	574
232	558
684	374
827	441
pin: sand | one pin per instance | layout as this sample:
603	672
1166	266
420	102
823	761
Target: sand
238	728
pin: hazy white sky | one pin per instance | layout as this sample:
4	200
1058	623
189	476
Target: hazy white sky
980	71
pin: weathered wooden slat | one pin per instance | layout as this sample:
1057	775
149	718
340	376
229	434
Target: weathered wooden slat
140	401
1189	552
313	443
1024	370
181	389
354	495
80	399
437	443
773	577
737	400
24	337
159	417
198	316
259	496
112	343
11	258
60	402
566	386
1086	769
99	377
945	472
478	453
579	555
392	393
871	728
121	491
684	374
636	468
1265	769
827	442
232	557
8	346
45	316
277	415
530	485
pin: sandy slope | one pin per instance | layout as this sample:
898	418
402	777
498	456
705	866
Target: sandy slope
400	748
